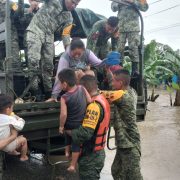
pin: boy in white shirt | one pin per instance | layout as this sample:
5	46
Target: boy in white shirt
9	121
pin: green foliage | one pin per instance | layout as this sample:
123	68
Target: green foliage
127	63
175	86
160	62
169	89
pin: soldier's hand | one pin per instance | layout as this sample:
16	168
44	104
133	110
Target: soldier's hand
116	34
34	5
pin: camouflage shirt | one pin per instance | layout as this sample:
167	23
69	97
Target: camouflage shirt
126	131
128	17
52	17
99	37
124	121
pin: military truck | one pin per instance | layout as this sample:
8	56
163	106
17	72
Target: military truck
41	128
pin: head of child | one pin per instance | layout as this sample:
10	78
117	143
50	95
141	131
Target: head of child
90	83
121	79
67	78
6	104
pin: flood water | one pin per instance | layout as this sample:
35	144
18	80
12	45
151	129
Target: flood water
160	135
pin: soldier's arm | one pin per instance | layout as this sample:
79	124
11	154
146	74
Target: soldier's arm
93	37
114	6
86	131
114	44
141	4
113	96
67	29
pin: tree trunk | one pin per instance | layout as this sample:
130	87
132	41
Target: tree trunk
177	99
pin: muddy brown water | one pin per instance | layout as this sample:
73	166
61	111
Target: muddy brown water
160	135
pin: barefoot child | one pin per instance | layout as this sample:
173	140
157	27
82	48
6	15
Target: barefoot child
9	122
73	109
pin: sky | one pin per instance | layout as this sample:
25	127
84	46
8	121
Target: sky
160	24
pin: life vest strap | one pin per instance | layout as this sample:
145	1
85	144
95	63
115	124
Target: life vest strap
100	135
100	144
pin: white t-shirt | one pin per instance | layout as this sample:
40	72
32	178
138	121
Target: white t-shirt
6	121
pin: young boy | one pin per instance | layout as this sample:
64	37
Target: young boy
126	163
73	109
9	122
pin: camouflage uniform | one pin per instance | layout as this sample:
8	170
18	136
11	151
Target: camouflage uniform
51	17
16	63
97	40
14	36
90	162
2	45
126	165
129	27
2	10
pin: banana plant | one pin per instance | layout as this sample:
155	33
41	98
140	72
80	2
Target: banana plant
161	63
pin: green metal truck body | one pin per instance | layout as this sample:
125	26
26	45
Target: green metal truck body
42	119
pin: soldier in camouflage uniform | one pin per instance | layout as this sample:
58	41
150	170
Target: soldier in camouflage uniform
91	160
28	14
53	16
2	10
14	36
126	165
129	27
102	31
2	46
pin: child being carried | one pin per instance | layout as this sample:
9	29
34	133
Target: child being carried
8	122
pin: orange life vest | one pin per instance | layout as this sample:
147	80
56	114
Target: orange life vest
101	132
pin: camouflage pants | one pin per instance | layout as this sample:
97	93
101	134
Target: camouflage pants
126	165
40	53
15	49
102	51
90	166
133	40
16	63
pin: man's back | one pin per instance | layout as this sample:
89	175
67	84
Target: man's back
127	134
128	16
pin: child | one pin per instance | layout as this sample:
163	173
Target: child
73	109
8	122
113	63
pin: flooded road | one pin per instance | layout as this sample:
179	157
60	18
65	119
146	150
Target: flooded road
160	135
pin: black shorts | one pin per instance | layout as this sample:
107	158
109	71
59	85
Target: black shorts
74	147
